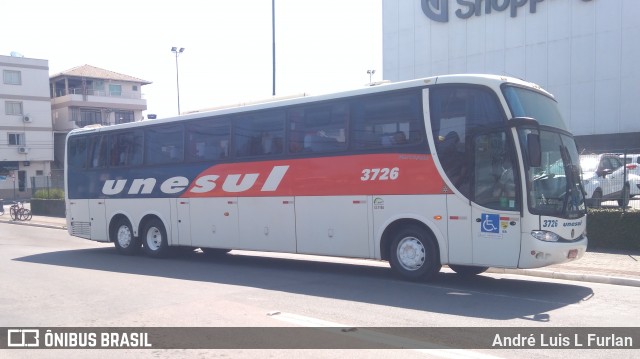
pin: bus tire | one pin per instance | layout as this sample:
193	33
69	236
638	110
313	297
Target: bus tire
414	254
467	271
123	239
154	239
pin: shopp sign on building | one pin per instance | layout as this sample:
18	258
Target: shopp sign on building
438	10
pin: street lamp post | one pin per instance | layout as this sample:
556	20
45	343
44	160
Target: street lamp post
273	43
177	51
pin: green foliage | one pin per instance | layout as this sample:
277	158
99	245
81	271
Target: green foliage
613	229
51	193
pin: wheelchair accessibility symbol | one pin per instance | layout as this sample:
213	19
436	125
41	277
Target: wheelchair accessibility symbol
490	223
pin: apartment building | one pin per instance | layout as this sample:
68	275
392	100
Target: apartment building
88	95
39	110
26	130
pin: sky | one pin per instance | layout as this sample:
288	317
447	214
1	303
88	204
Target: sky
321	46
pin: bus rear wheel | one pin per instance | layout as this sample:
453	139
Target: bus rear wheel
124	240
467	271
154	239
414	254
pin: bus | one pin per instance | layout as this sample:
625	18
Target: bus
469	171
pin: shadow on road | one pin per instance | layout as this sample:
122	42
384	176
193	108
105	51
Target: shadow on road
481	296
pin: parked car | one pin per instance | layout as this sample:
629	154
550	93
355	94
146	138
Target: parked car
632	163
603	177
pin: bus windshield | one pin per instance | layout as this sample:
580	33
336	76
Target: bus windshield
553	188
527	103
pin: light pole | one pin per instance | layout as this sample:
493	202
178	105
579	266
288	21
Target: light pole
273	43
177	51
370	72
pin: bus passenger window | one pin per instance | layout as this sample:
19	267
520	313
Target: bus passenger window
259	135
319	128
388	121
207	140
98	152
125	149
164	144
77	153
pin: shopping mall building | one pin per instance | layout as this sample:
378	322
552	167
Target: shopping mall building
585	52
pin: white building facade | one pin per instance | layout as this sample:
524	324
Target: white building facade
26	131
585	52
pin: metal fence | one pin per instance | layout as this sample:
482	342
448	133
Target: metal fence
48	186
612	178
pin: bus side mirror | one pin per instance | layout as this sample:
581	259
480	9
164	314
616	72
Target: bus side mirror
534	150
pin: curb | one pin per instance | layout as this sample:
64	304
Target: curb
33	224
580	277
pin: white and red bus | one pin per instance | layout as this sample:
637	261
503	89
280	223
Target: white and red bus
470	171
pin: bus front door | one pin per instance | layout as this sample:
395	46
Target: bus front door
495	214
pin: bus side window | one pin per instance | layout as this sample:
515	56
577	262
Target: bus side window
259	135
207	140
494	184
164	144
460	116
387	121
125	149
77	153
98	152
318	128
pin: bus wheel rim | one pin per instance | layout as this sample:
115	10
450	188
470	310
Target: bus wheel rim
124	237
154	239
411	253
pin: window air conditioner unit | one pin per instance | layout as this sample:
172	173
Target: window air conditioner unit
26	118
23	150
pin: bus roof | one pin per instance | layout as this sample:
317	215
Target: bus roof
480	79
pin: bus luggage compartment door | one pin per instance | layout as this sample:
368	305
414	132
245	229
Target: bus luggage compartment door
78	217
98	216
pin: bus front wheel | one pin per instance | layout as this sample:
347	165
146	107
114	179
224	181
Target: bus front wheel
154	239
123	238
414	254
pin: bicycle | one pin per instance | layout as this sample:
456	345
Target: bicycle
18	212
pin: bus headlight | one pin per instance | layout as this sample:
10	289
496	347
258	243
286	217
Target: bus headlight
545	236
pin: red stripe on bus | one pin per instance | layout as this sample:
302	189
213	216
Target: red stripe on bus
374	174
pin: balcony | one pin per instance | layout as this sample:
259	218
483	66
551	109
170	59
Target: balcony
98	93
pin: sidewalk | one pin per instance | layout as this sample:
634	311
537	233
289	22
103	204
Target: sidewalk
610	267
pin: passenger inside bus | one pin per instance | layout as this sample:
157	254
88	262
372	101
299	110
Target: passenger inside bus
323	140
394	139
